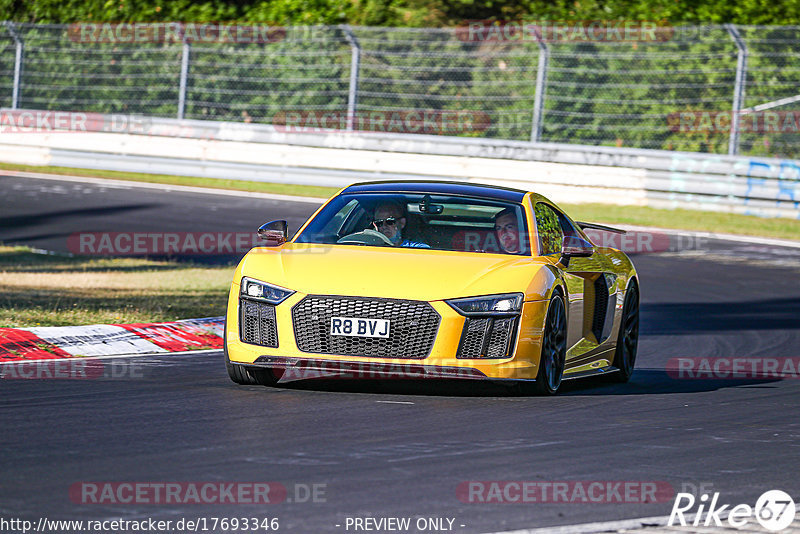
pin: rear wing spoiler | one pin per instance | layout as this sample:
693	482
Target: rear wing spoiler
585	225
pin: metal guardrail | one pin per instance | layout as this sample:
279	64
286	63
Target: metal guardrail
760	186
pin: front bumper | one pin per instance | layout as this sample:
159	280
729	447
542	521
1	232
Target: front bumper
440	362
308	368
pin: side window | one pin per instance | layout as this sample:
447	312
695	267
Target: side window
548	225
566	226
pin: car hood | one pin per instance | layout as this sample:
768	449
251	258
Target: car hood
406	273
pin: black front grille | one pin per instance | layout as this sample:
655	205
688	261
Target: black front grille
412	326
600	307
257	323
487	337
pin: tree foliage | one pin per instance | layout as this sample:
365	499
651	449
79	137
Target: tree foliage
413	13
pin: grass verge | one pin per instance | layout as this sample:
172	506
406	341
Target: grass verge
707	221
600	213
49	290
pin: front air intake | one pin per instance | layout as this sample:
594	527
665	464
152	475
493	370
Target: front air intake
257	324
600	307
487	337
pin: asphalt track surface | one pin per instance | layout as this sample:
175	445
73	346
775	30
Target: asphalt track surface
44	213
401	449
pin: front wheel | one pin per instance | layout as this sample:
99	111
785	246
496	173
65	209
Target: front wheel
244	376
554	349
251	377
628	338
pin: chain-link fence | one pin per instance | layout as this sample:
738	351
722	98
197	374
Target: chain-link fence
684	89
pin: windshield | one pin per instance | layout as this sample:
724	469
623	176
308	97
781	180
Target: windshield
419	220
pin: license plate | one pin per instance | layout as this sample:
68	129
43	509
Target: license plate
354	326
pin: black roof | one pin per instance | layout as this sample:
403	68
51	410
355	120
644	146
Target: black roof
495	192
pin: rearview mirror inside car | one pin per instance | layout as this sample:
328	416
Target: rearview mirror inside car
425	206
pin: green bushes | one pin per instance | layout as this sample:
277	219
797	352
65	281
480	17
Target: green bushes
431	13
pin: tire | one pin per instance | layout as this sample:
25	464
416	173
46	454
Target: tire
628	337
245	376
554	350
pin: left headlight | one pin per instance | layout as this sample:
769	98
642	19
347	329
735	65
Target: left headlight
256	290
502	305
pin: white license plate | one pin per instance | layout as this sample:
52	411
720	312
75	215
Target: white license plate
354	326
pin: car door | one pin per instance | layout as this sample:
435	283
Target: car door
590	299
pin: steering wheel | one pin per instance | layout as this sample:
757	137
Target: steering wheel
366	237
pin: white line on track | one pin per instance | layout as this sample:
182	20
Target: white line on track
601	526
394	402
657	525
126	184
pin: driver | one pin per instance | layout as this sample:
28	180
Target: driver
390	220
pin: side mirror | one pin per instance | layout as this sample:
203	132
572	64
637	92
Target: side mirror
575	247
274	233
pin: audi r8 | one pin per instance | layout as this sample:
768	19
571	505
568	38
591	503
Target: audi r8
433	279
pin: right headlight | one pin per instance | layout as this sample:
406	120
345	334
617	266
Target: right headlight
501	305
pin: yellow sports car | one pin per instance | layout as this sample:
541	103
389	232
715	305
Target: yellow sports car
433	279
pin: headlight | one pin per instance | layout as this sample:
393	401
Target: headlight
256	290
509	304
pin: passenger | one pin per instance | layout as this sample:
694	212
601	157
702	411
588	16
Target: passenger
390	220
506	229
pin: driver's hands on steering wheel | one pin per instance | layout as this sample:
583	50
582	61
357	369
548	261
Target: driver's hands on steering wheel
366	237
